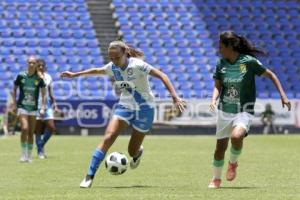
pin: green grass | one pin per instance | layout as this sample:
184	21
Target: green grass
173	167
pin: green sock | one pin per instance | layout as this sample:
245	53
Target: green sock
234	154
24	147
218	163
29	148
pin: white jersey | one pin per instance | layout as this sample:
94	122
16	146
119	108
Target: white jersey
48	82
133	82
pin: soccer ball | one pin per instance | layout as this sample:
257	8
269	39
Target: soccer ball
116	163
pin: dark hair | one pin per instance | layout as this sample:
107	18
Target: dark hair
239	44
41	62
131	51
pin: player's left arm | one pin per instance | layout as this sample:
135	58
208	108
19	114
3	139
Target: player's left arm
284	100
180	104
51	95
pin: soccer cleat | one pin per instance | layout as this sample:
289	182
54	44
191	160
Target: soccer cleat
29	158
134	163
231	171
41	155
23	158
215	183
86	182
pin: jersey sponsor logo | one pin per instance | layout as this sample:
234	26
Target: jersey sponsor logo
28	88
131	78
28	100
243	68
223	70
232	95
233	80
125	84
232	92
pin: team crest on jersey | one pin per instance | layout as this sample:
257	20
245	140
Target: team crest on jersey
36	82
243	68
23	81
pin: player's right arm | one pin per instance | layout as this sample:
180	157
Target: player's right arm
14	98
17	83
88	72
216	94
217	88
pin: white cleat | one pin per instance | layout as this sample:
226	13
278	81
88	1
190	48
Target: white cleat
29	158
86	182
41	155
23	158
134	163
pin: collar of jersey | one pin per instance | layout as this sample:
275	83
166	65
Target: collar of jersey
124	68
238	58
27	74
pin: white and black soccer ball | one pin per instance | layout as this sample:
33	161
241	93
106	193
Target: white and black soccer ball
116	163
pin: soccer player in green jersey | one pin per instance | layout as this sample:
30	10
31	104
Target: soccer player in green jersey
235	88
29	85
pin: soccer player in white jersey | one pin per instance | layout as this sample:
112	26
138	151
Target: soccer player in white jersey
135	107
45	126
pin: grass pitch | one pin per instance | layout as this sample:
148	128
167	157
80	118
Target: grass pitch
173	167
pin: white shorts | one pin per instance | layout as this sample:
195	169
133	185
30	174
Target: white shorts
48	114
226	121
22	111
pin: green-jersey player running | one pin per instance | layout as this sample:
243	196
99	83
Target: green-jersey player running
235	88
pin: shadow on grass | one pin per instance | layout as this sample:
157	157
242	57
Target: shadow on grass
238	188
130	186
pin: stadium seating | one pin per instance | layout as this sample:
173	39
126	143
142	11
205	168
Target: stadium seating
60	32
181	37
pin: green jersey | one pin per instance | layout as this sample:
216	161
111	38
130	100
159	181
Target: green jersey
29	90
238	93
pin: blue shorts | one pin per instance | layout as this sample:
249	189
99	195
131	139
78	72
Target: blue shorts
48	114
141	120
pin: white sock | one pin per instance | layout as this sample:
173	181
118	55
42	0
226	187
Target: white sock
24	148
217	168
217	172
233	158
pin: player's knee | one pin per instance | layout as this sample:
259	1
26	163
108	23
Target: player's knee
25	129
237	136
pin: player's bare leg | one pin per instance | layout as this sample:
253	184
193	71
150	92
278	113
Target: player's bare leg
135	148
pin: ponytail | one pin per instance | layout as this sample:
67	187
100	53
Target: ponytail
131	51
239	44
